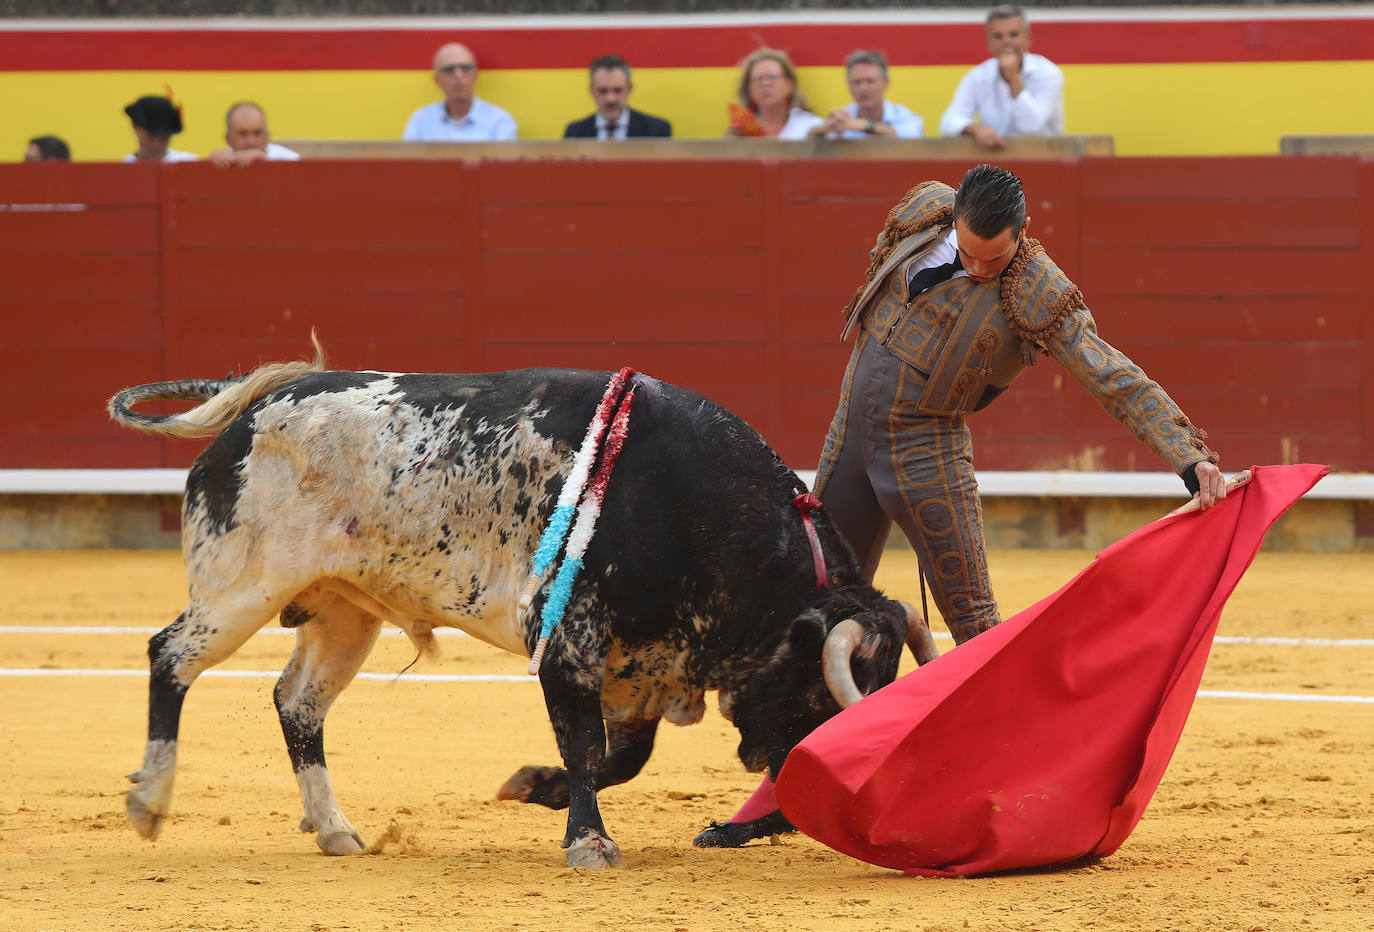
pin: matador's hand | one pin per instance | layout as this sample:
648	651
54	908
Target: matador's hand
1211	484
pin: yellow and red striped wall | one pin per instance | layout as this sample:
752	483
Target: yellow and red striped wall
1162	82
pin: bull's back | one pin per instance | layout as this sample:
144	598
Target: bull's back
430	491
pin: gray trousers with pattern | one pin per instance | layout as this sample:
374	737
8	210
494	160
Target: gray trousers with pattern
884	462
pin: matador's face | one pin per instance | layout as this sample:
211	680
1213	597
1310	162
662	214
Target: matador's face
986	259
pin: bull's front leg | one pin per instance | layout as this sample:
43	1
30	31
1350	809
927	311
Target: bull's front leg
575	712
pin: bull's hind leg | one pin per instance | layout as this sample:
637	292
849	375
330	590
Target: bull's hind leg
205	634
330	648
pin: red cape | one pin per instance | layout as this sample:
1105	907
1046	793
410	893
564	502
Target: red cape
1042	740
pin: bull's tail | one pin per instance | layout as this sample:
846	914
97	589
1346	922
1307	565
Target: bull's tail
225	399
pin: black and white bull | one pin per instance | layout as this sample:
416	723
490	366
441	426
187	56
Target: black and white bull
342	499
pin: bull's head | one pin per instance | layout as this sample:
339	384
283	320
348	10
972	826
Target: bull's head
832	656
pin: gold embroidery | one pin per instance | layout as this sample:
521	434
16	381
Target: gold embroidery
1012	282
897	228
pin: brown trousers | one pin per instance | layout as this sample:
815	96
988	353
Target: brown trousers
883	462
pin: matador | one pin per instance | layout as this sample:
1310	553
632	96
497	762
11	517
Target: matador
957	302
899	449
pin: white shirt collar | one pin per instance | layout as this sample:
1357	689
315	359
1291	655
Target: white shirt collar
617	130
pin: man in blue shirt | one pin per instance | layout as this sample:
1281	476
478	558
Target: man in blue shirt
870	113
461	116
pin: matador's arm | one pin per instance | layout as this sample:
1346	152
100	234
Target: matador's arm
1126	393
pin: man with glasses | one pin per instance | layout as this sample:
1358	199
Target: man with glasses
958	301
461	116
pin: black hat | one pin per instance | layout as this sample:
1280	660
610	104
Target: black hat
157	115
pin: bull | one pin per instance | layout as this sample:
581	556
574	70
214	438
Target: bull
339	500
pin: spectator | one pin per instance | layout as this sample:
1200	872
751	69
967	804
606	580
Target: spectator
461	116
245	130
48	149
870	113
156	120
1013	93
770	103
611	87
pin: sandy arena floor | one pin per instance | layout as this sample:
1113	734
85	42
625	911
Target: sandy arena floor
1264	821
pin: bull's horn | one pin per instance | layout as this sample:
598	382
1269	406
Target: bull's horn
918	636
839	646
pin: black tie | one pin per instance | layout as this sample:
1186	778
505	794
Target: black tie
929	278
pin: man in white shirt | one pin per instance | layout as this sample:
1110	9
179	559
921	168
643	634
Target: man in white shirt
870	113
245	130
156	120
461	116
1013	93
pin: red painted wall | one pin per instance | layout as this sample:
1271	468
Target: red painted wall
1245	286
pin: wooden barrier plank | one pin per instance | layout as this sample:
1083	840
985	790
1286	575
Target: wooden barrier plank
287	320
351	182
111	320
285	225
54	399
567	279
612	234
36	446
1271	409
725	373
626	318
1265	221
1236	318
366	349
847	228
817	271
1219	270
1212	179
875	185
1317	366
1365	304
815	320
1260	328
247	270
94	231
40	277
650	182
78	183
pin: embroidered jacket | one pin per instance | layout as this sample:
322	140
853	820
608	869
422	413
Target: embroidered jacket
971	340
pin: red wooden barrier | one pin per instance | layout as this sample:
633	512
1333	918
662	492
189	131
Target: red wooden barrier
1245	285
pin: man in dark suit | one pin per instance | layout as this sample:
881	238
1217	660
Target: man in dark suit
611	87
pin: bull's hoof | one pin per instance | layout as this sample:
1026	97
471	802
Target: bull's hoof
340	843
723	835
739	834
594	852
547	786
147	822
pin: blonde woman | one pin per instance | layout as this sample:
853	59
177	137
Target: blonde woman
770	103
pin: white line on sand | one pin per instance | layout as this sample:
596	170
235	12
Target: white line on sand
518	678
454	632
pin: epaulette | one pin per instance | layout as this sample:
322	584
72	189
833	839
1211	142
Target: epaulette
928	205
1036	297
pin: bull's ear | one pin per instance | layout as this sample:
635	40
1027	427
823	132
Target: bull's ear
806	635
